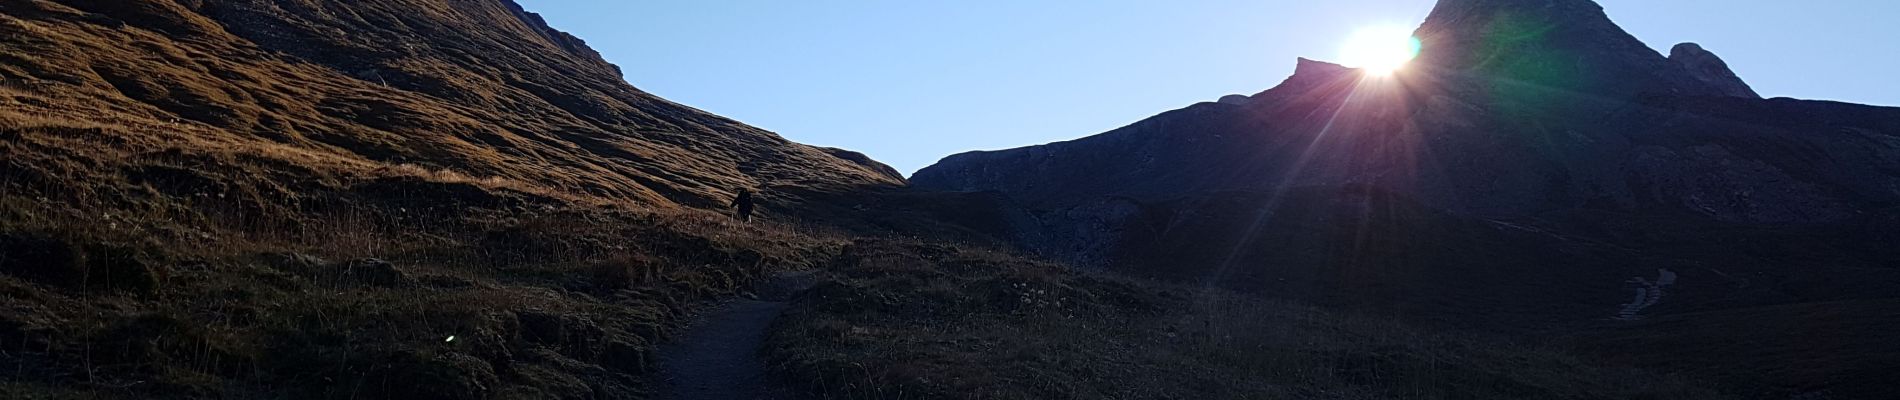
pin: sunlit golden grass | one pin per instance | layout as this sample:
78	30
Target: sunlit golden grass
17	120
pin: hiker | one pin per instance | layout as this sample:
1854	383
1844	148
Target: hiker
743	205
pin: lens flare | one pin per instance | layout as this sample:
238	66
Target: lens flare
1380	50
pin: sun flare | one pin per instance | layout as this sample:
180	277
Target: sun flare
1379	51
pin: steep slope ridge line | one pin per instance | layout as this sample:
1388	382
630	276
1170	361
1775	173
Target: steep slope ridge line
348	89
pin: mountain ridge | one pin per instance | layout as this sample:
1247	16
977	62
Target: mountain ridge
1337	186
500	96
1556	134
1528	172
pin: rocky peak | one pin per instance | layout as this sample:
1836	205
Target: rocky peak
1568	46
1707	67
563	40
1451	10
1235	100
1313	68
1309	74
1459	27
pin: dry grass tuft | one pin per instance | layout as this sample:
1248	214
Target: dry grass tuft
491	183
624	272
17	120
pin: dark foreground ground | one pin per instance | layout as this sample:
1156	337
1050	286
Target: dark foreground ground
717	356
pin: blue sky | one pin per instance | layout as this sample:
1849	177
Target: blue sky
909	82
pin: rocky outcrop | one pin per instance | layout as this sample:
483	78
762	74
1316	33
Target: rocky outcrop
1710	69
1235	100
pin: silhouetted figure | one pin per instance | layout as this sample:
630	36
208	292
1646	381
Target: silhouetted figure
743	205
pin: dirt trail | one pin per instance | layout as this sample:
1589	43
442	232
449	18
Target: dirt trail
717	357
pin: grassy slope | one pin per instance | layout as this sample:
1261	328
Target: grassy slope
1823	350
913	320
191	191
278	102
557	304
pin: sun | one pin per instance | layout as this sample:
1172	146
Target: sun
1380	51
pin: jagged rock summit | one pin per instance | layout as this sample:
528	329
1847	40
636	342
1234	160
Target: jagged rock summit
1707	67
1563	45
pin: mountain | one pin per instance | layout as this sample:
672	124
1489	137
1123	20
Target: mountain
1513	109
1490	121
1533	169
419	199
264	100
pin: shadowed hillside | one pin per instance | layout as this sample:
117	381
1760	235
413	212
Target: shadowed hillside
363	199
1535	169
1536	134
